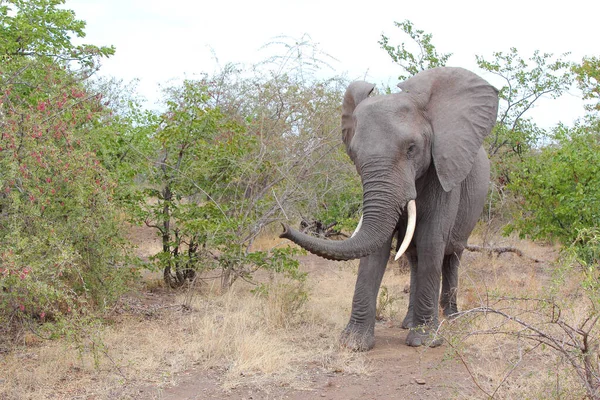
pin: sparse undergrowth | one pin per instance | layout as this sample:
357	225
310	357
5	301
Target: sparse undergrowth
252	339
528	330
278	338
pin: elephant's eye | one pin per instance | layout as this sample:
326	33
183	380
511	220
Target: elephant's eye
411	150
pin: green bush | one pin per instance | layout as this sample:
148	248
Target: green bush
61	241
559	186
217	183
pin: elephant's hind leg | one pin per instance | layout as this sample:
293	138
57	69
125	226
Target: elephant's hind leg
408	321
450	283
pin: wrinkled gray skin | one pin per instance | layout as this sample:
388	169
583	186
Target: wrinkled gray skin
424	143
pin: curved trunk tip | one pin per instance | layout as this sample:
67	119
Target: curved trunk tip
286	231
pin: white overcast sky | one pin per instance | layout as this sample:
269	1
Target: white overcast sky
158	40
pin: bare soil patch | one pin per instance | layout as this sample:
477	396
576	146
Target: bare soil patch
395	371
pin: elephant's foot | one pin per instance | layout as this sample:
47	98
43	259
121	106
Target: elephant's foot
423	336
450	310
357	338
408	323
451	313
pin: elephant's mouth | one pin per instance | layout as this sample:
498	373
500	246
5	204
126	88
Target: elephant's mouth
411	209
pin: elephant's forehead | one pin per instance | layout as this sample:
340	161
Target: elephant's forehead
388	112
386	106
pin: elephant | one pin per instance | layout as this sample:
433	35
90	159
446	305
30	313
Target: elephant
425	173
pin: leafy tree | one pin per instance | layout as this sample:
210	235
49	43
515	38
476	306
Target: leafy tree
121	139
515	134
588	80
187	136
558	183
426	58
61	243
215	184
40	29
560	186
60	232
526	81
238	151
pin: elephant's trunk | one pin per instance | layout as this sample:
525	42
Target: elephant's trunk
383	201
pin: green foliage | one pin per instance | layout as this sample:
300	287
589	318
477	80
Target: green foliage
40	28
585	249
585	253
515	135
220	180
526	81
427	57
338	197
196	150
60	233
237	151
588	79
122	141
559	186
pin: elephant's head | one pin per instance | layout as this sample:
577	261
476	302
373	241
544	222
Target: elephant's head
441	115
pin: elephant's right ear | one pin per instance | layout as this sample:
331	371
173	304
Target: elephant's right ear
356	92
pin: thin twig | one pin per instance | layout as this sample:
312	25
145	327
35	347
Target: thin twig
464	363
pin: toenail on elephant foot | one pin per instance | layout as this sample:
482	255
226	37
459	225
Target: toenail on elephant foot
356	339
423	336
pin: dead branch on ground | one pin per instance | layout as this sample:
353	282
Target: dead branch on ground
500	250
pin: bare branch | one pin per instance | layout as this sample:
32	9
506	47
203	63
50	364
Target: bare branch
499	250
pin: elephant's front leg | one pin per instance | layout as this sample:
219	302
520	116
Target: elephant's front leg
427	296
359	334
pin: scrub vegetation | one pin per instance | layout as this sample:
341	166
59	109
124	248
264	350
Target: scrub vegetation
138	245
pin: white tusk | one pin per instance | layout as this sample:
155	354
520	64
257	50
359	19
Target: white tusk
410	228
357	227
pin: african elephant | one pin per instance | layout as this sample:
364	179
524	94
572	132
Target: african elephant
420	148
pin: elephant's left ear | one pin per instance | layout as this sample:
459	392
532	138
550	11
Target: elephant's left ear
462	109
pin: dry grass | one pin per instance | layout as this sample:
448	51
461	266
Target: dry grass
501	360
249	339
277	339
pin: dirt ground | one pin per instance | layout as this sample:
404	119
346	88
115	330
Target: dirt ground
397	372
